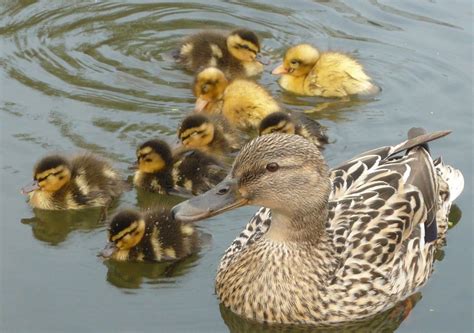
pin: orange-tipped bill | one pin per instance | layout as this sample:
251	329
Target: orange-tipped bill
30	188
280	70
200	105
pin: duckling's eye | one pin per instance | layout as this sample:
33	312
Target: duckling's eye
205	88
272	167
294	62
245	47
147	159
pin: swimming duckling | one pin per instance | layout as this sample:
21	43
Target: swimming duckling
243	103
306	71
150	236
298	124
80	182
159	171
236	54
209	134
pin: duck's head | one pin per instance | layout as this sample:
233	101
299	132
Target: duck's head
209	87
126	230
277	122
298	60
196	131
50	174
243	44
154	156
285	173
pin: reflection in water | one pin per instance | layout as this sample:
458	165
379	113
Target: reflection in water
387	321
131	275
148	200
53	227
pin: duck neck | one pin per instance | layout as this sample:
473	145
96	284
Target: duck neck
305	226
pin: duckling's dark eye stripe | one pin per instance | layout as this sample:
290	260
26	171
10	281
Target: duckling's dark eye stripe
122	234
247	48
50	174
187	136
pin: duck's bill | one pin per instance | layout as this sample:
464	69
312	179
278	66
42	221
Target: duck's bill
222	198
263	59
200	105
280	70
108	250
30	187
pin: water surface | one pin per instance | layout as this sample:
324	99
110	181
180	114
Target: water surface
77	75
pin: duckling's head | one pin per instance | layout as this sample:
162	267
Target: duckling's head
279	171
277	122
243	44
50	174
126	230
209	86
154	156
196	131
298	60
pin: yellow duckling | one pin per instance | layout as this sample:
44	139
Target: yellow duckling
237	54
209	134
158	170
298	124
243	103
306	71
150	236
80	182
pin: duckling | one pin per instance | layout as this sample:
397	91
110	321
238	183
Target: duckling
158	170
211	135
80	182
306	71
237	54
243	103
150	236
298	124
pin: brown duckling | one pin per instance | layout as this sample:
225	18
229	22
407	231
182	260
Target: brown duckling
242	102
158	170
306	71
236	54
210	134
298	124
150	236
80	182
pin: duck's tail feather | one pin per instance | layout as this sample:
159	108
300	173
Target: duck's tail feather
417	137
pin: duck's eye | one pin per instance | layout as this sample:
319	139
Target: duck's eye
245	47
147	159
272	167
294	62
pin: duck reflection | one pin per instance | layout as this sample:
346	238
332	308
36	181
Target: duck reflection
131	275
387	321
53	227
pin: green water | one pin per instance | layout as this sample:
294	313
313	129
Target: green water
81	75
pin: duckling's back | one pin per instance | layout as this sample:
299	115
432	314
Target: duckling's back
95	180
338	75
246	104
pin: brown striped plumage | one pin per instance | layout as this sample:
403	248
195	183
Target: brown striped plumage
332	246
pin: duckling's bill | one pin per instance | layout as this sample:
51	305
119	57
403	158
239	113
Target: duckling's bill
108	250
223	197
280	70
33	186
200	105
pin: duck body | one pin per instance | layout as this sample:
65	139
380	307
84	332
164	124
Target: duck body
83	181
242	102
150	236
361	242
162	171
294	123
235	54
210	134
306	71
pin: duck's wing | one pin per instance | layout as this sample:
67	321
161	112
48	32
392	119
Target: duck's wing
254	229
380	199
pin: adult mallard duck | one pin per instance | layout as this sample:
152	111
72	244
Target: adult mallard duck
150	236
160	170
306	71
299	124
210	134
237	54
242	102
331	246
79	182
